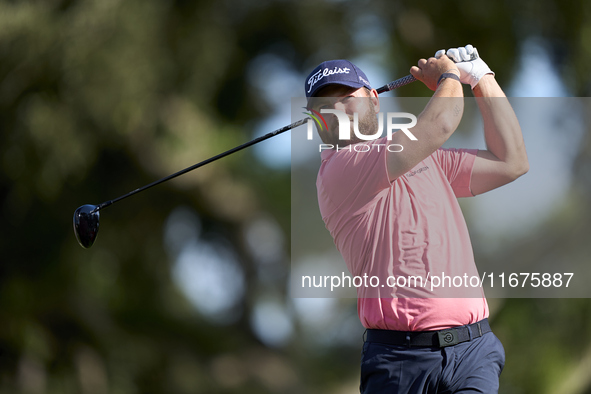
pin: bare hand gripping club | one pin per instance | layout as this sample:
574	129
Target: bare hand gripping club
86	217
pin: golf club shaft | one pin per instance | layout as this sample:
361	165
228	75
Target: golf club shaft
392	85
204	162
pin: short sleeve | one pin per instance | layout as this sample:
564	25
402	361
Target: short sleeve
457	164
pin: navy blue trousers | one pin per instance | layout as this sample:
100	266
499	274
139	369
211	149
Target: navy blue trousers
468	367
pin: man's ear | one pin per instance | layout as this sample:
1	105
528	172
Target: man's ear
376	100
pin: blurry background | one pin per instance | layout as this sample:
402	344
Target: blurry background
186	288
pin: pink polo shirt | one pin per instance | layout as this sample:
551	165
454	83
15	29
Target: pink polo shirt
408	234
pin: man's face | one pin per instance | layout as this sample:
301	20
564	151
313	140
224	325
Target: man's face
348	100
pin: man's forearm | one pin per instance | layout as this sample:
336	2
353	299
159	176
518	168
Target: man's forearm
445	109
502	132
438	120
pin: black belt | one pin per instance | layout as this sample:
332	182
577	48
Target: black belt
442	338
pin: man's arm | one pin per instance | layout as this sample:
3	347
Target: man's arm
436	123
505	158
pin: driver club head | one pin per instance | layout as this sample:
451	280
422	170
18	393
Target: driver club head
86	225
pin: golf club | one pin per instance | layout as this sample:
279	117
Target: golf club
86	217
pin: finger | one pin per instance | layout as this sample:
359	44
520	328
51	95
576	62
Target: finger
421	63
454	55
475	54
415	71
469	49
439	53
465	57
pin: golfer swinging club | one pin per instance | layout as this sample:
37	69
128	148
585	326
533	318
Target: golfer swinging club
395	213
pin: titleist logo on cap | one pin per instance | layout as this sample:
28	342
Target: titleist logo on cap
335	72
324	73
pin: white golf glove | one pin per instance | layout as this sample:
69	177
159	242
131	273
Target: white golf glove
471	66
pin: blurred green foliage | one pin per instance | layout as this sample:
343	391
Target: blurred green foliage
100	97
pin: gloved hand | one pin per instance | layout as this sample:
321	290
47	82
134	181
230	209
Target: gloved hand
471	66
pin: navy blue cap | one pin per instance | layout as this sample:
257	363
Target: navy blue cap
335	72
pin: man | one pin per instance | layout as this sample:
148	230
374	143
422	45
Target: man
393	213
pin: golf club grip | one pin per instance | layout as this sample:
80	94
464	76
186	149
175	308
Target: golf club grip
396	84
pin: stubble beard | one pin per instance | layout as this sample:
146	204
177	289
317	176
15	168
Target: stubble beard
368	125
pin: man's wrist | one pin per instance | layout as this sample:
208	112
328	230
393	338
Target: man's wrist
454	70
448	74
487	81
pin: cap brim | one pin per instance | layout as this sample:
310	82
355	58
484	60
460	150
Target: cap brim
350	84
